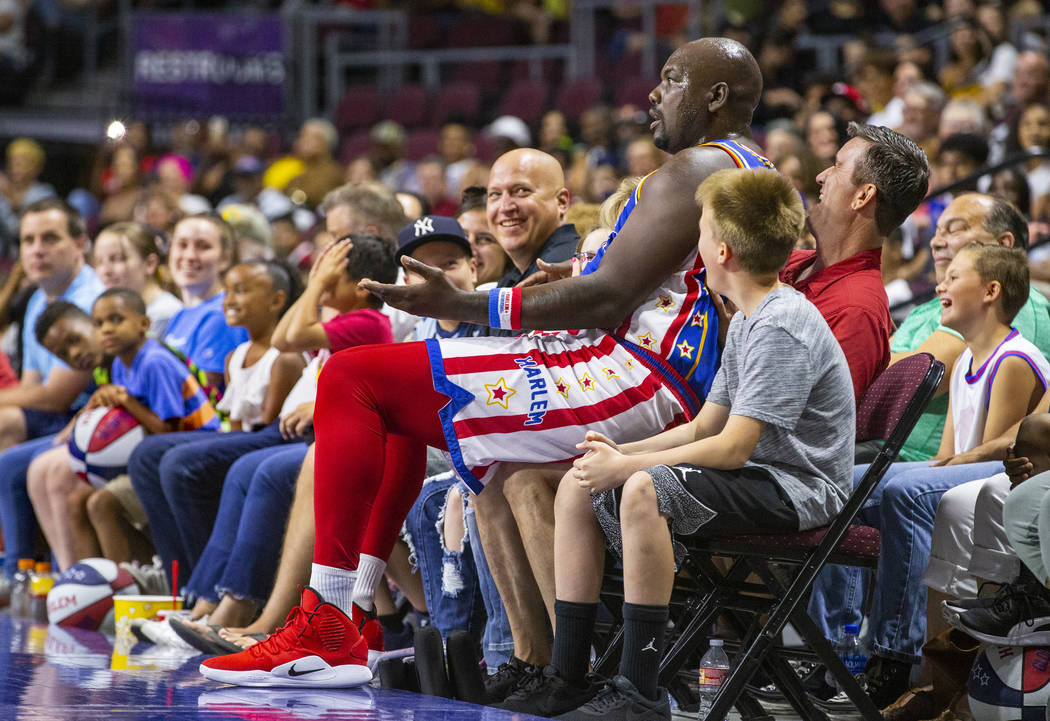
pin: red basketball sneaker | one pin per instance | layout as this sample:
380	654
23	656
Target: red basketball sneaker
317	647
369	626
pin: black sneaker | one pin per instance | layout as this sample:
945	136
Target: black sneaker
885	680
548	694
952	608
816	685
508	677
621	701
1020	617
764	688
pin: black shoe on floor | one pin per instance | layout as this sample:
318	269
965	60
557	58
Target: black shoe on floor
508	678
816	685
548	694
885	680
952	608
764	688
619	700
1020	616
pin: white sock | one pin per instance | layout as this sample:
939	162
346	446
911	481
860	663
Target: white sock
335	585
369	572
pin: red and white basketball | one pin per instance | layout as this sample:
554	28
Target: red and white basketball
101	444
1010	683
83	593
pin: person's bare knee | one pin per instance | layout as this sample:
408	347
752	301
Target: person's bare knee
528	488
102	506
571	501
453	528
59	484
77	499
638	502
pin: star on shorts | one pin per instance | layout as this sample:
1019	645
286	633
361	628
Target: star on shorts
499	394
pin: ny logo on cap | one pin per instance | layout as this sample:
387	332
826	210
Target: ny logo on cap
423	226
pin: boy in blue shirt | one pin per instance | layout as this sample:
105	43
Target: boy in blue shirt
148	381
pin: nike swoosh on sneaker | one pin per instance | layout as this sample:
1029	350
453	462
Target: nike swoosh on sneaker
293	673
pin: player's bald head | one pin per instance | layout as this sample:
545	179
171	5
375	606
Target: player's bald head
723	60
709	88
544	169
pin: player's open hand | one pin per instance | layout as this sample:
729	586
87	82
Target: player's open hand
434	297
547	272
1018	468
602	467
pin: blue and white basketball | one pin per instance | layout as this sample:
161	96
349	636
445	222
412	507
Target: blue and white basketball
83	593
1010	683
101	444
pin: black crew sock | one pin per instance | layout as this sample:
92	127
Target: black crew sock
643	646
574	623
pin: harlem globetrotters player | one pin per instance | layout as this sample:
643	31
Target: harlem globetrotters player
643	361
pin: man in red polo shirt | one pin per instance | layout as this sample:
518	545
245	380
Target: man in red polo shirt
878	179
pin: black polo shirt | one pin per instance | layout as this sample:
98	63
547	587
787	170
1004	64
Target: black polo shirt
559	247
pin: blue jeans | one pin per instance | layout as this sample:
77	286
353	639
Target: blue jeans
244	548
17	519
457	584
902	507
449	581
178	478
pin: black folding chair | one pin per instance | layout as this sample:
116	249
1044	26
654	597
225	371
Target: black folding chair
786	566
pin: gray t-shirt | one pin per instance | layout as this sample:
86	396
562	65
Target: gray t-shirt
783	366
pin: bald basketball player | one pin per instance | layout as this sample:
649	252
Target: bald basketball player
643	360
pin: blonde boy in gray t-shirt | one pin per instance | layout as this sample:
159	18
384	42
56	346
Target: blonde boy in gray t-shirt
770	451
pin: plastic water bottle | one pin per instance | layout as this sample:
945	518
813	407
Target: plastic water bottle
713	668
20	588
39	584
851	652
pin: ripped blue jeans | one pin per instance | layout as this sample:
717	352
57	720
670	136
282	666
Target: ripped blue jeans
460	591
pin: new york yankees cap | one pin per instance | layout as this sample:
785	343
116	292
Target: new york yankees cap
430	228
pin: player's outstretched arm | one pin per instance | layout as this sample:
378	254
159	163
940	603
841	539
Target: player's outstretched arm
657	237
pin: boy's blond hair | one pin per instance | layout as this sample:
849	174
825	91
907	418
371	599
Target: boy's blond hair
757	213
1006	266
612	205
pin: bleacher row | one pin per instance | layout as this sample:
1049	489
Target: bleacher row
422	114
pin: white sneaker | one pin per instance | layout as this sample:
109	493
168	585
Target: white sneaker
162	634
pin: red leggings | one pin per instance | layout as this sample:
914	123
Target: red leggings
376	413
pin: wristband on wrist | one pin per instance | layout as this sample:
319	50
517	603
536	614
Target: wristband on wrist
505	308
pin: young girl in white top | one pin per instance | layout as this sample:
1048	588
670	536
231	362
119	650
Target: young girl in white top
126	256
258	376
1000	377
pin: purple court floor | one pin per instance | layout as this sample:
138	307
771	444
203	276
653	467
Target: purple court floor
48	672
